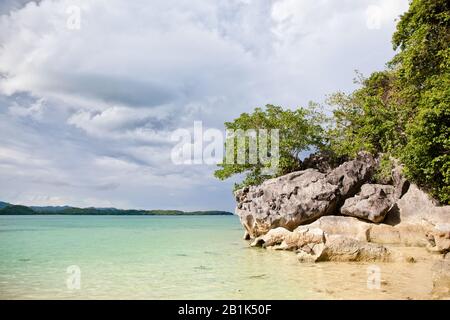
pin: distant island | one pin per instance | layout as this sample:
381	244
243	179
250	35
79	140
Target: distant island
13	209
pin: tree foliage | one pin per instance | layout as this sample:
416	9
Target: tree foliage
404	111
299	130
401	112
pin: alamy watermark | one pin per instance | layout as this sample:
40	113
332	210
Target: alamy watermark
374	17
373	277
73	21
73	281
213	146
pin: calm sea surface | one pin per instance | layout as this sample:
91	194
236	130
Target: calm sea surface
194	257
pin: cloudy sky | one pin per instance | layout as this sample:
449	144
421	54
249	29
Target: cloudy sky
87	105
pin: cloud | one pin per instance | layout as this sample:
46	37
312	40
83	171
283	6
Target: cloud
88	113
6	6
122	123
382	14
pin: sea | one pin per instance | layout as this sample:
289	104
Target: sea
179	257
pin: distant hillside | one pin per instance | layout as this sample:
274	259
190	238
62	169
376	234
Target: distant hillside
10	209
3	204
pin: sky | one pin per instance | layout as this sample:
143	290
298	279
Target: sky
92	90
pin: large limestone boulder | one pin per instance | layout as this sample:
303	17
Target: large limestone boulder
400	183
322	161
312	244
344	249
283	239
272	238
350	227
300	197
372	203
305	238
341	225
413	235
351	175
420	220
417	207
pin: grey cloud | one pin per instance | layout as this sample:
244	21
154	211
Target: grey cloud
6	6
112	92
113	89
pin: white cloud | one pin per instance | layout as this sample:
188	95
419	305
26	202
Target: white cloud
98	104
122	123
35	110
384	13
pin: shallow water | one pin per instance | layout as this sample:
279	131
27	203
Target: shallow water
193	257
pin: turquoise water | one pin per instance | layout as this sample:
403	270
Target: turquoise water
162	257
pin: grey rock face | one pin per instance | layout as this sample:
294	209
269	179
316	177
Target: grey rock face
400	183
372	203
320	161
312	244
344	249
341	225
351	175
417	207
283	239
300	197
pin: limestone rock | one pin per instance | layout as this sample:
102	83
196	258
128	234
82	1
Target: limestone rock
439	239
303	237
341	225
344	249
300	197
273	237
418	207
384	234
372	203
351	175
283	239
401	184
404	234
322	161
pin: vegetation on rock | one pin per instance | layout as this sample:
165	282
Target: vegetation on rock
402	112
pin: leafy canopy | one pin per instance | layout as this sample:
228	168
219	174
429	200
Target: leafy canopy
299	130
404	111
401	112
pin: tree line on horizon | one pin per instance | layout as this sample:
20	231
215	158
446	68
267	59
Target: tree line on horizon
13	209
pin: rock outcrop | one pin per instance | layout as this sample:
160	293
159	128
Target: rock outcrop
300	197
417	207
344	249
439	239
312	244
341	225
372	203
322	161
338	215
400	183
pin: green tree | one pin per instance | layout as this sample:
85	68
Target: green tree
299	130
404	111
423	65
371	118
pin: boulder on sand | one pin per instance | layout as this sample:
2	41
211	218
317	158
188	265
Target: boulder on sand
372	203
344	249
300	197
